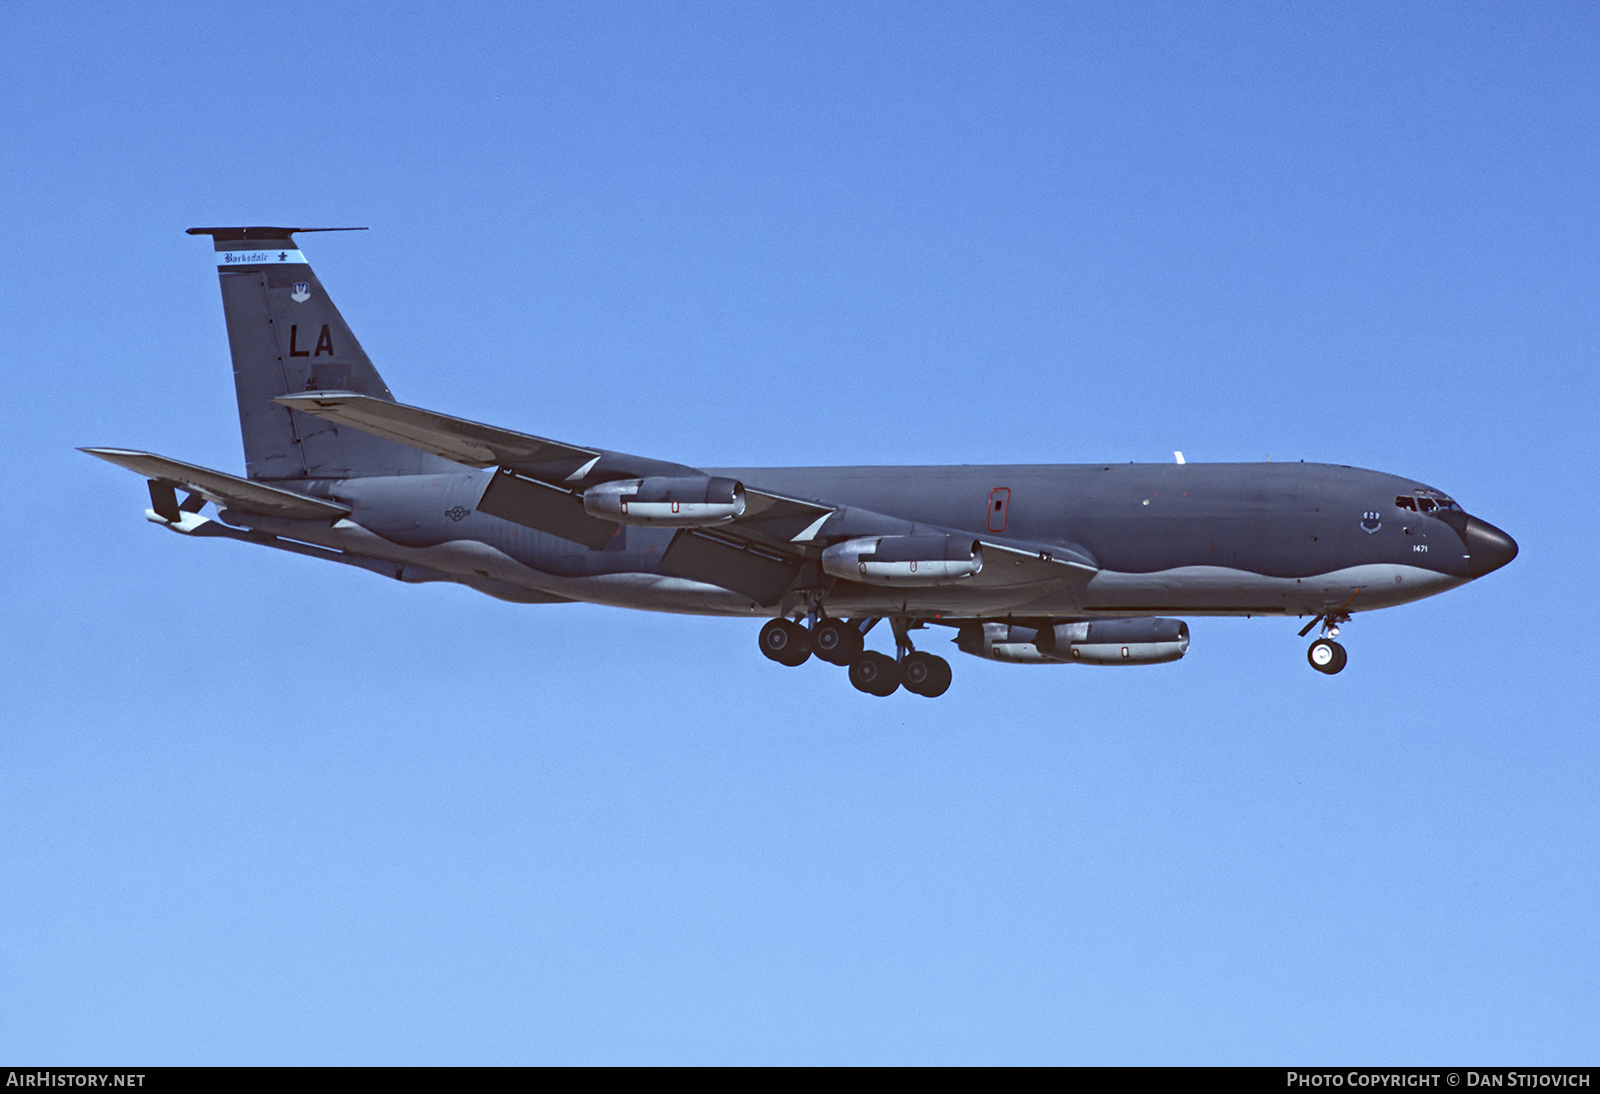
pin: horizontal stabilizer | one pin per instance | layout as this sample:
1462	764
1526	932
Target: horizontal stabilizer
227	491
471	443
260	232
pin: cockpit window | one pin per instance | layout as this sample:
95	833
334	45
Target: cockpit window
1424	503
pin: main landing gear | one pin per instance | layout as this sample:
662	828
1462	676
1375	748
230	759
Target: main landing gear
785	641
836	641
842	642
1326	655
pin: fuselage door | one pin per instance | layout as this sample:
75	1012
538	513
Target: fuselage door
999	508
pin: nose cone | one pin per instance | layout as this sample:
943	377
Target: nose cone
1488	548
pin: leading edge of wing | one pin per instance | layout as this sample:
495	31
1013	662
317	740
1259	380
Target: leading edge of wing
468	442
781	519
1013	564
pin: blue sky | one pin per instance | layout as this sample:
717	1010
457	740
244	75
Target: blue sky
256	809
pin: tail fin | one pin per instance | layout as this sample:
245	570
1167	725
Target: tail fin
287	337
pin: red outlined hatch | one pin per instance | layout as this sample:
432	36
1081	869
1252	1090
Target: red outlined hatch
999	508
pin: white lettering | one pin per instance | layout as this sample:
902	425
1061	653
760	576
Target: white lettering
1357	1078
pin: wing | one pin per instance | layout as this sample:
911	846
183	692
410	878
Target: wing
762	553
540	481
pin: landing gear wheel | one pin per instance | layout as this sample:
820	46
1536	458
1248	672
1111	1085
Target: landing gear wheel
1327	656
785	642
926	674
875	674
836	641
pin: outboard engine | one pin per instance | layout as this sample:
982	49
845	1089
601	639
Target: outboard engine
1104	642
1002	642
696	501
904	560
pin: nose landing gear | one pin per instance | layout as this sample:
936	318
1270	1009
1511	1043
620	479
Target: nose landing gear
1326	655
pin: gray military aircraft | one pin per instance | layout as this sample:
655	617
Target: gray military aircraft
1040	564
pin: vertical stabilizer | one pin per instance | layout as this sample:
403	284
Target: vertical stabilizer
287	337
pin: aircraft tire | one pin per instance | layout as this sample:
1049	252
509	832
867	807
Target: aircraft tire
836	641
785	642
875	674
1340	660
1327	656
927	675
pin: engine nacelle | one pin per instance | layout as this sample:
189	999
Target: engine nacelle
1105	642
1117	641
904	560
698	501
1002	642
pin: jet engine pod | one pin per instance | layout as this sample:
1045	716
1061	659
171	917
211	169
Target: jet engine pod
1116	641
696	501
904	560
1109	642
1002	642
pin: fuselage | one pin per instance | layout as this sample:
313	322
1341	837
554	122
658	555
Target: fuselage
1209	539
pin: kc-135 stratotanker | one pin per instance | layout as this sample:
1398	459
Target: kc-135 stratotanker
1033	563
